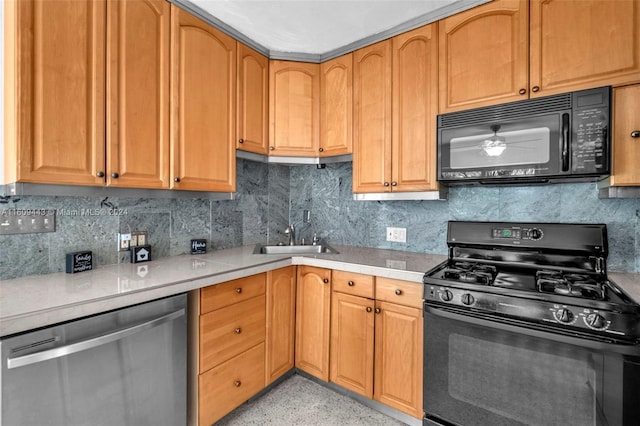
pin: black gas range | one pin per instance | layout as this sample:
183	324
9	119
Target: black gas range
522	326
545	273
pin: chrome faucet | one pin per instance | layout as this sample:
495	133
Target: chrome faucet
291	232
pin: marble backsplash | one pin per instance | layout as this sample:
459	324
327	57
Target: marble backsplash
341	220
258	214
270	196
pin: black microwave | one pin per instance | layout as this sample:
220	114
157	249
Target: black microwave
563	137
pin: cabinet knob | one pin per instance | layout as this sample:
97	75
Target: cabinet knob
635	134
100	174
398	292
238	290
522	91
272	148
176	179
115	175
368	309
535	89
241	141
350	283
394	183
237	383
238	330
326	280
321	150
377	310
386	184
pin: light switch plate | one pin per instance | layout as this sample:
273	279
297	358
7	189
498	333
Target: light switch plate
398	235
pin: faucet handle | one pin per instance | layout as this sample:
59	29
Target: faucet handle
315	240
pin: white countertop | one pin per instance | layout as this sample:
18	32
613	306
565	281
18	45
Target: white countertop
40	300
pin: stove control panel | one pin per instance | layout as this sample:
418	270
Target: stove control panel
597	321
517	233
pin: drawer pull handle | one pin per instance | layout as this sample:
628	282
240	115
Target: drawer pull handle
237	383
100	174
350	283
535	89
377	310
398	292
238	290
238	330
368	309
635	134
522	91
326	280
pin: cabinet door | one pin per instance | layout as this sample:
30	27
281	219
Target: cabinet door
281	318
294	108
626	136
352	321
336	106
55	92
138	93
578	44
484	55
399	357
253	101
203	93
415	107
372	118
313	304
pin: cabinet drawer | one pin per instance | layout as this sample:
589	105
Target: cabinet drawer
221	295
225	387
355	284
226	332
401	292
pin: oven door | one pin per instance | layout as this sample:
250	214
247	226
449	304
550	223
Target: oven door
526	148
484	372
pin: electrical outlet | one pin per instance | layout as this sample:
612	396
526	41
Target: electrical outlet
398	235
124	241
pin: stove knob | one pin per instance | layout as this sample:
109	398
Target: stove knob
468	299
446	295
564	315
596	321
535	234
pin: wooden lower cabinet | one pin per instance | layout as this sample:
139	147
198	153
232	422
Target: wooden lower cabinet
313	304
228	385
281	322
398	357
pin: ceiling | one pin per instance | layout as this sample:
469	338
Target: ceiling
321	26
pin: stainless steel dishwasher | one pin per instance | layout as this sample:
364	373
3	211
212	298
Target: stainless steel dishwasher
122	368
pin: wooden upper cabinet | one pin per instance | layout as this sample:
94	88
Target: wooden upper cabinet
138	93
336	106
294	108
203	95
313	310
626	136
253	101
578	44
55	96
484	55
372	118
415	107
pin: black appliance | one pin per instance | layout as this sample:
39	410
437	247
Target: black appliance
523	327
561	137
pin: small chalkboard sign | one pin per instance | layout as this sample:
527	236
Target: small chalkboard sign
198	246
79	261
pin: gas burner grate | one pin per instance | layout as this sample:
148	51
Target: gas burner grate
469	272
570	284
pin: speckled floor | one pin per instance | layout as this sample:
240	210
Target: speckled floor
299	402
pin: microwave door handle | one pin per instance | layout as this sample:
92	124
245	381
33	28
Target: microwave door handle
91	342
565	142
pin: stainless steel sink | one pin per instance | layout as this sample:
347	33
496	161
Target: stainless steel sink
283	249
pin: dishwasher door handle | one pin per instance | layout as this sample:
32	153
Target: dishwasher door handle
92	342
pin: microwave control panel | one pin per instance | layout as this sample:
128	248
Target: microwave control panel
590	138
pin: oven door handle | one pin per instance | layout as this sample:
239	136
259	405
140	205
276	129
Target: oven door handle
518	327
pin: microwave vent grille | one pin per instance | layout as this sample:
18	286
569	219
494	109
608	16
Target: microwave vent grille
506	112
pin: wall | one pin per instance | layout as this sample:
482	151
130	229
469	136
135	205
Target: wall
259	214
341	220
269	196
